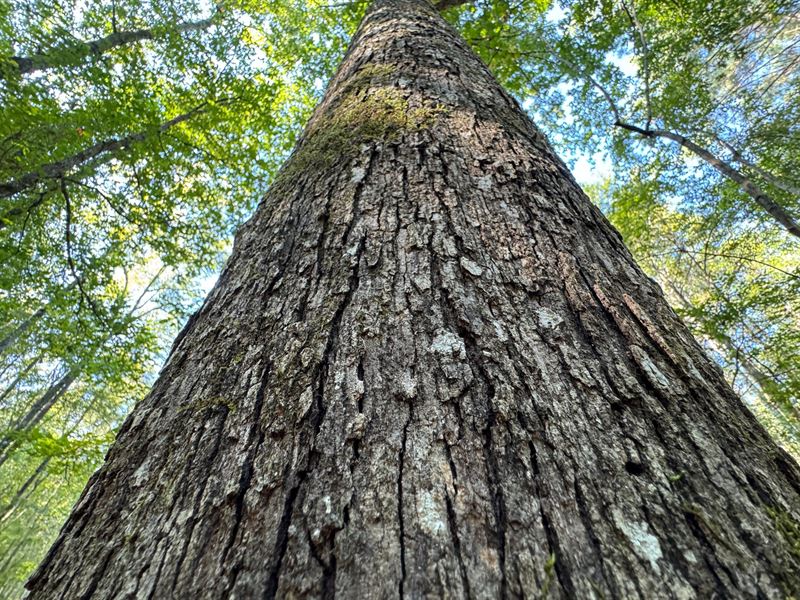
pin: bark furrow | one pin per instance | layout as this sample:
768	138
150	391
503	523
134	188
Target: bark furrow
432	369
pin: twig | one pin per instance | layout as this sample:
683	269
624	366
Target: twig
70	260
705	254
645	62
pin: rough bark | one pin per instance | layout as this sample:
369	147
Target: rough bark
432	369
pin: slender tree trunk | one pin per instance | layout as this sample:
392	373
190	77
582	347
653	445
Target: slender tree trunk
25	490
14	335
26	324
35	414
10	555
19	377
431	369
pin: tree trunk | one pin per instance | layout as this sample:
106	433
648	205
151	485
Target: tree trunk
29	321
27	488
432	369
34	414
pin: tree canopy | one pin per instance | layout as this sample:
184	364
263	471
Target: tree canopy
136	136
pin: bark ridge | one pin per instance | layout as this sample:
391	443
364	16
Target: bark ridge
432	369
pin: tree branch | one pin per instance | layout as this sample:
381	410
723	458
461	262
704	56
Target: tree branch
706	254
70	261
766	175
443	5
775	210
75	53
780	214
58	169
596	84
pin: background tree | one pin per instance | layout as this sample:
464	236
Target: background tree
432	368
148	130
737	292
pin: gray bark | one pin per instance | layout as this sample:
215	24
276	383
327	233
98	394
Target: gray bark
432	369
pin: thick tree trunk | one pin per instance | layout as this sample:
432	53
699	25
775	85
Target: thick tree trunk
431	369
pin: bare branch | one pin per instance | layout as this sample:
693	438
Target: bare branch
645	61
706	253
582	73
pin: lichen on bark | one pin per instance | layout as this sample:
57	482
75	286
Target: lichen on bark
451	380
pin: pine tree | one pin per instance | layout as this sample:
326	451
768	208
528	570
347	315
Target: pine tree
432	369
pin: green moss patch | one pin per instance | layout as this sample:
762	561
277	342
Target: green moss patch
788	527
364	115
213	402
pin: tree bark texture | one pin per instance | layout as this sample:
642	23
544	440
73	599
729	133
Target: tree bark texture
432	369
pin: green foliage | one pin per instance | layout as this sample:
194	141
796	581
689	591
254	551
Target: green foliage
136	136
738	290
549	575
127	160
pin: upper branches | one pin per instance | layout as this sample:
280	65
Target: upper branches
75	52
